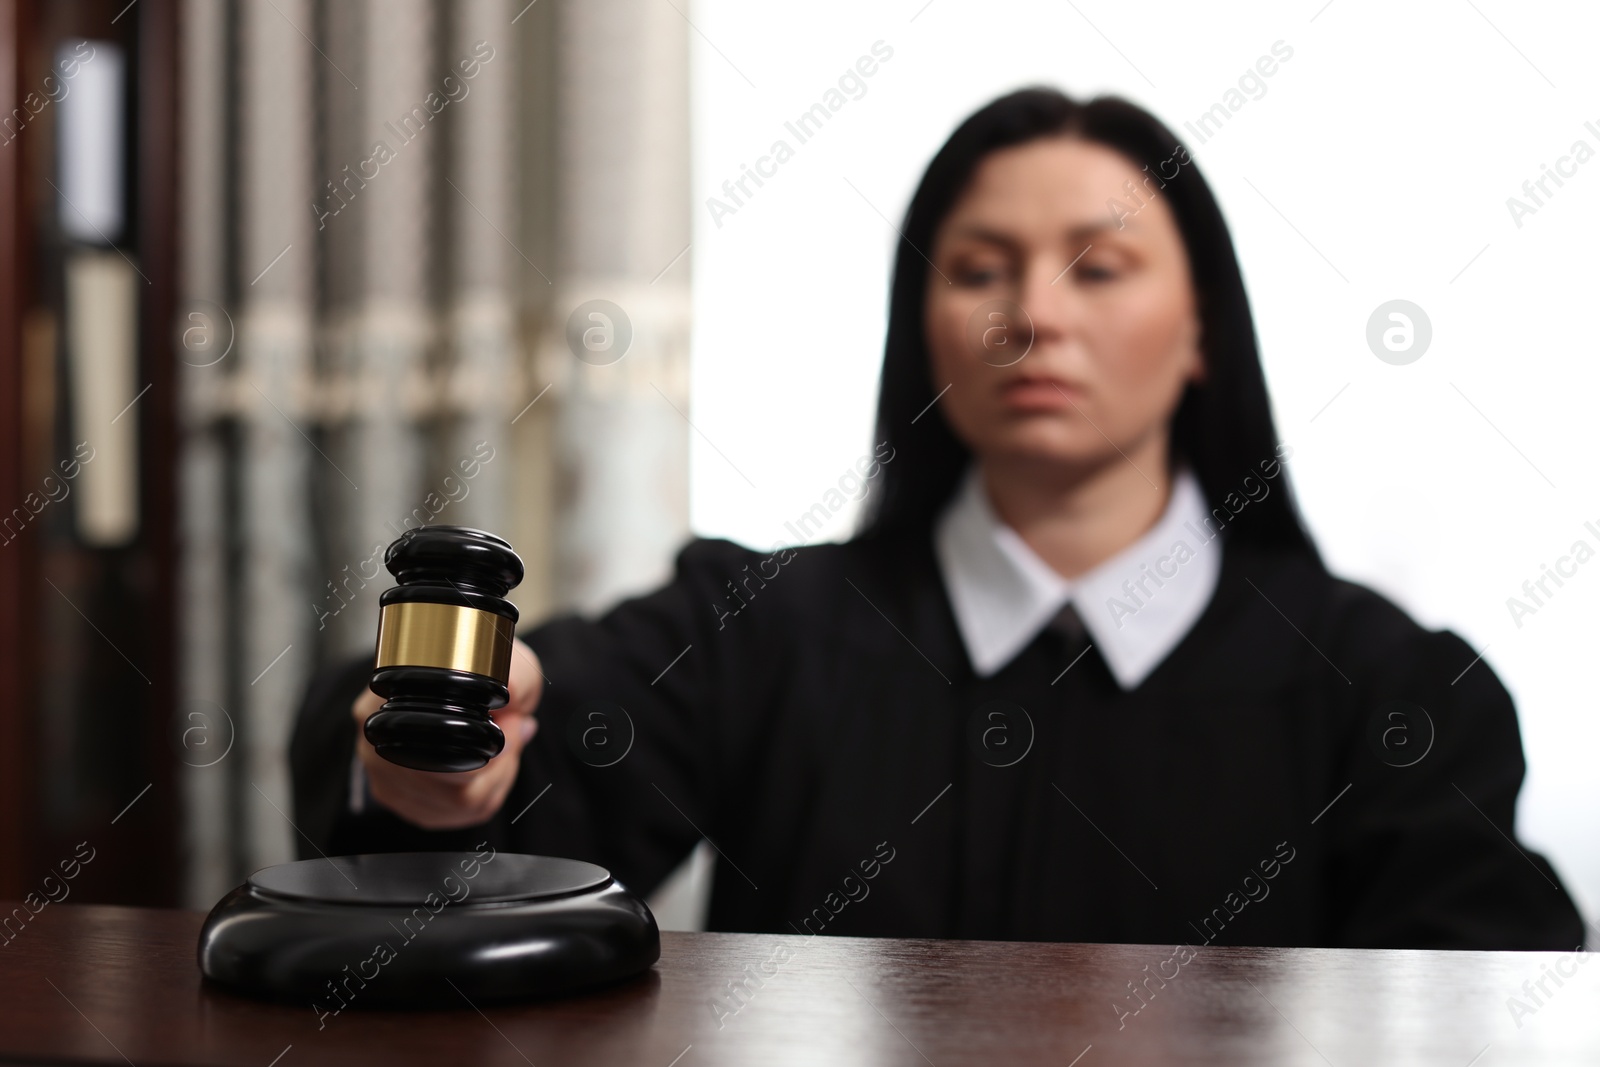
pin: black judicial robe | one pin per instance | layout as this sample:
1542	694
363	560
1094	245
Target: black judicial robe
833	742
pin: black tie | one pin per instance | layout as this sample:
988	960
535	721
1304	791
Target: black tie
1068	626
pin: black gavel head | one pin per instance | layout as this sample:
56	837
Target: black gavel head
444	648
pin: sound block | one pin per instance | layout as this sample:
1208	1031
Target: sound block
399	929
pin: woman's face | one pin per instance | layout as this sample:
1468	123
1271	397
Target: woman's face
1035	238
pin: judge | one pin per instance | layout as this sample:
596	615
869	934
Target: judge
1080	676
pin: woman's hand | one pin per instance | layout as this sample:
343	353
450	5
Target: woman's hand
436	801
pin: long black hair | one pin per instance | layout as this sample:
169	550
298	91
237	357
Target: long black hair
1223	426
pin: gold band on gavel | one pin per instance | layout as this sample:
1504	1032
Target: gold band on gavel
418	634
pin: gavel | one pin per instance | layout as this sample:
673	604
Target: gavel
443	659
522	926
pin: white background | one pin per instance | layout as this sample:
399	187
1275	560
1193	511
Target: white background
1390	141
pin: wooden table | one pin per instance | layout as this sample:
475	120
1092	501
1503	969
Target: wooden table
119	985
